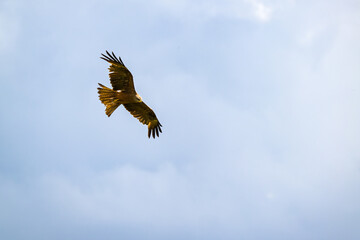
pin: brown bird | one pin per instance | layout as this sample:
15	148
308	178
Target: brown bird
124	93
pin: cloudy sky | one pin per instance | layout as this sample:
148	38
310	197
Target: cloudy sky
259	102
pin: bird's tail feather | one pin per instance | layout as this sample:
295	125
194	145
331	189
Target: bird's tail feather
108	97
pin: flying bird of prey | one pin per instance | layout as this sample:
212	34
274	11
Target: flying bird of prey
123	92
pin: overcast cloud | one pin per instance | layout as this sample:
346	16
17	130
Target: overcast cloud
259	102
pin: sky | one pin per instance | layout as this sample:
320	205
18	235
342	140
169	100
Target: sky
259	102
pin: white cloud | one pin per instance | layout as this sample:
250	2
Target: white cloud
261	12
237	9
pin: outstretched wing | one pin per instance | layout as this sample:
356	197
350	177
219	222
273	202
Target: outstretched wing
120	77
146	116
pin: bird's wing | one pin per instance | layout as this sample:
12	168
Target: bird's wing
120	77
146	116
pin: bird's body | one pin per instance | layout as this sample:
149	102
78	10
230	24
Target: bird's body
123	92
125	97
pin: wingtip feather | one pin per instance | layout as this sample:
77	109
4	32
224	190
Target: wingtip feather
111	58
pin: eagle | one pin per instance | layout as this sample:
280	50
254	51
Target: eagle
123	92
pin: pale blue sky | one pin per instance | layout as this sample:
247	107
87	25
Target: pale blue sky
259	102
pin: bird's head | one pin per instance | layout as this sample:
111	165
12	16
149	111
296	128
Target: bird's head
138	98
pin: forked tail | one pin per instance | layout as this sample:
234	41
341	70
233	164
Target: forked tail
108	97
